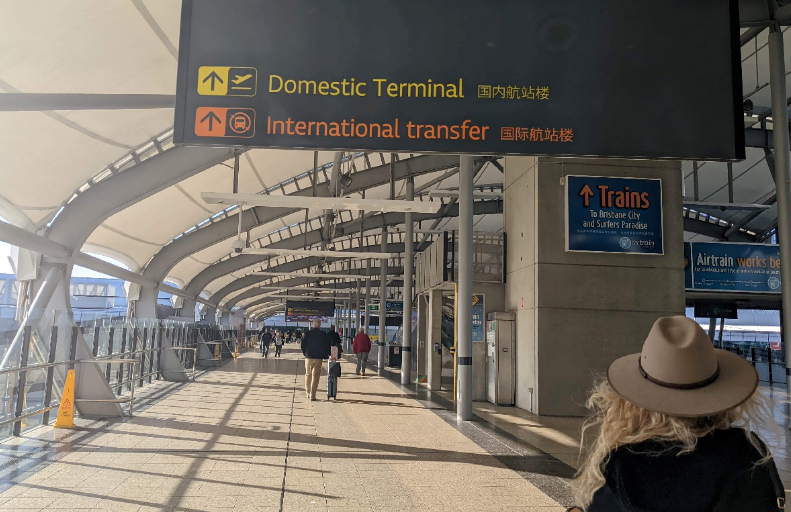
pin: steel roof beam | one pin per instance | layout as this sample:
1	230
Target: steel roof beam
207	236
225	267
257	291
716	231
40	102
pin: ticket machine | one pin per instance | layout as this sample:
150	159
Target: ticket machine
500	360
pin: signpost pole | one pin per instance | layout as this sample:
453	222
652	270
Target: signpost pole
347	331
367	294
406	326
380	359
357	324
464	311
777	79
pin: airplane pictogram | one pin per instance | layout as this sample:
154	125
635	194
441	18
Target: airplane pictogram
227	81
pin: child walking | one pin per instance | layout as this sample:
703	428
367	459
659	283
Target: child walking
334	370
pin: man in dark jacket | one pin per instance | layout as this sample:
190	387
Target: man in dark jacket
315	348
335	338
266	340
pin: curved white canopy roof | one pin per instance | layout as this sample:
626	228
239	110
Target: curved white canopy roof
130	47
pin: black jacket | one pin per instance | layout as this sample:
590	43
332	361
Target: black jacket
719	476
266	338
335	341
316	344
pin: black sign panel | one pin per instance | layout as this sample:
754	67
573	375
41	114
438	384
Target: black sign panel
716	310
307	310
605	78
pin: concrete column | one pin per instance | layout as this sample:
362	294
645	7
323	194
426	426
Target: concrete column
434	338
406	344
464	300
367	294
380	359
577	312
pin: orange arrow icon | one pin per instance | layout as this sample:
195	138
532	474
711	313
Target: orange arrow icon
586	194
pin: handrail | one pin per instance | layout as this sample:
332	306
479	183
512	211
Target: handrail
141	346
130	399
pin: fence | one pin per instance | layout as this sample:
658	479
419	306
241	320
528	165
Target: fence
770	364
37	354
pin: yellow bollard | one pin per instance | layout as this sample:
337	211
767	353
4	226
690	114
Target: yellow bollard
66	410
236	352
217	351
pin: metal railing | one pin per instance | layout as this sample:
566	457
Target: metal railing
20	416
770	364
129	351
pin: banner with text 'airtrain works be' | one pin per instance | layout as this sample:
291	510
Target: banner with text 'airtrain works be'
732	267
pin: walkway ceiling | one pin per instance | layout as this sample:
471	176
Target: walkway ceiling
129	47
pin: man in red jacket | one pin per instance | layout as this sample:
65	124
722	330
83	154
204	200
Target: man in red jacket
361	345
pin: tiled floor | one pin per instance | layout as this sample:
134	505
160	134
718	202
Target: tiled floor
244	437
560	437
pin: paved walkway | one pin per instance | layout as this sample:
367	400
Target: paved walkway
244	438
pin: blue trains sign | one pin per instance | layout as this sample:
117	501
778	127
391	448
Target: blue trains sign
615	215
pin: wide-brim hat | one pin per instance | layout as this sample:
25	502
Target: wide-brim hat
680	373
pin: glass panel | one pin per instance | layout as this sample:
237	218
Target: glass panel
173	332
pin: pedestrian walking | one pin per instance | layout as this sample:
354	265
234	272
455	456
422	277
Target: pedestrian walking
315	348
334	367
361	346
674	431
334	336
278	345
266	340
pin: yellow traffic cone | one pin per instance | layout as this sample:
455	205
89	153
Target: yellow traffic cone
216	351
66	409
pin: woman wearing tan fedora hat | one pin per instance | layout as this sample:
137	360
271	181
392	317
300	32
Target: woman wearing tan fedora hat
674	431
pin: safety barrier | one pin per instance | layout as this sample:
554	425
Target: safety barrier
770	364
20	416
114	356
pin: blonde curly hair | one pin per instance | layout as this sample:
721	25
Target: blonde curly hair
621	422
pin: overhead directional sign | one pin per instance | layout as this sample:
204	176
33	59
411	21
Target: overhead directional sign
620	215
392	305
516	77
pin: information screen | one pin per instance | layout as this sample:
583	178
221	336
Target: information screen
614	78
307	310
